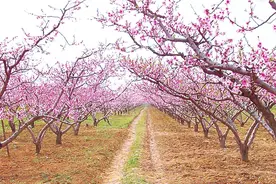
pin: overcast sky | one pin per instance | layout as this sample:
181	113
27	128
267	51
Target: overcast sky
14	16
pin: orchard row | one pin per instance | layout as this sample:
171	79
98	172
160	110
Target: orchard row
63	95
194	70
215	67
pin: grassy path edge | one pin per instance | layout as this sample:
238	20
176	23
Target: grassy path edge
131	167
115	173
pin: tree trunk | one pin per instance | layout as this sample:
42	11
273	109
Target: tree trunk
4	136
206	132
222	137
244	152
76	129
37	147
95	123
222	141
58	138
189	124
196	127
12	126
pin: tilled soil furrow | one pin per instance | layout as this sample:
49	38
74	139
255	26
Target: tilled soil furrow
154	155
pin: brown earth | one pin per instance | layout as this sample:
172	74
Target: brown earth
152	168
114	174
188	157
80	159
172	153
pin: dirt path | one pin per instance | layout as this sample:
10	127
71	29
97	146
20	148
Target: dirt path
159	176
115	173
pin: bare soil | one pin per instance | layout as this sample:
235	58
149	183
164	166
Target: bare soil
172	153
80	159
152	168
115	173
187	157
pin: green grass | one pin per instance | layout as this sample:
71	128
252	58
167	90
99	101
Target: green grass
120	121
132	165
117	121
61	179
273	110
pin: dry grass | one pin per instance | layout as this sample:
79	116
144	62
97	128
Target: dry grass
188	157
80	159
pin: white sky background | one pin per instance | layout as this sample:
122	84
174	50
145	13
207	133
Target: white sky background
13	17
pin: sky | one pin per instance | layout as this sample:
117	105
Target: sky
14	17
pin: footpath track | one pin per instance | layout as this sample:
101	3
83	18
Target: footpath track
115	173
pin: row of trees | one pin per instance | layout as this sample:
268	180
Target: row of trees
197	72
63	95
